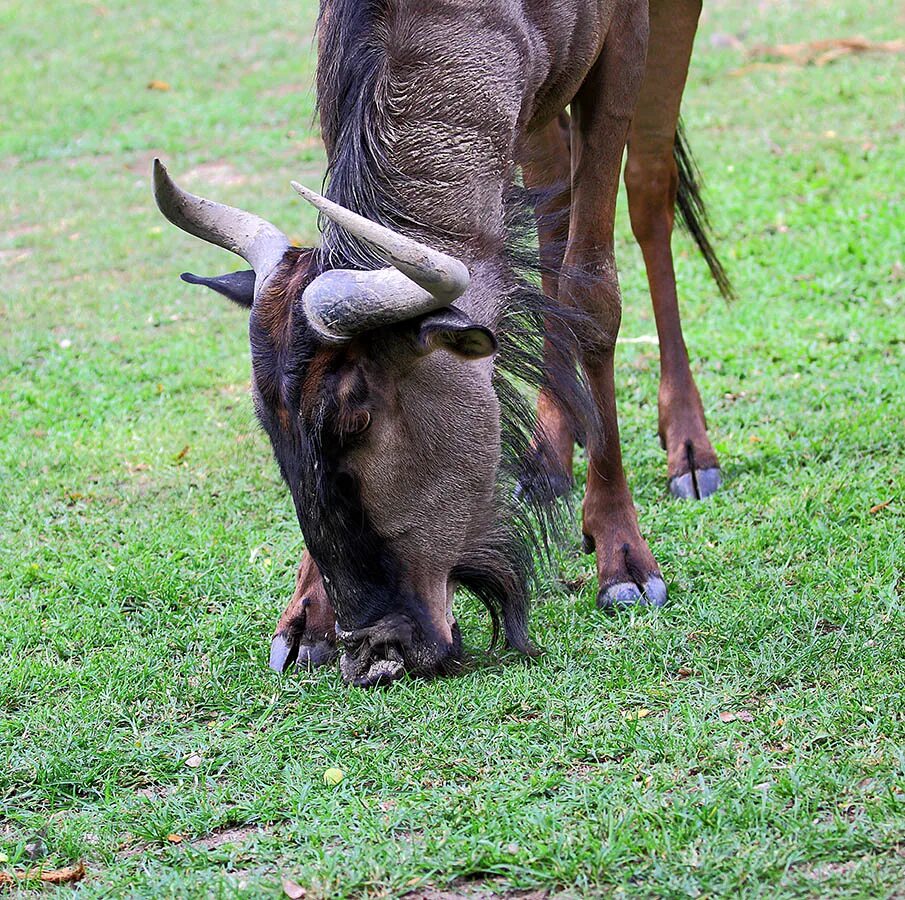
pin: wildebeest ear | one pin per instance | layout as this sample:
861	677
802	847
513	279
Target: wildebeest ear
237	286
450	329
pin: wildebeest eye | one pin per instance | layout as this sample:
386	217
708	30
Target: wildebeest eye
354	422
362	421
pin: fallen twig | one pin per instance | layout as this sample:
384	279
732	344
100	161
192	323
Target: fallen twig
66	875
817	52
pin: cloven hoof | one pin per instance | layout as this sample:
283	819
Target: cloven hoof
696	485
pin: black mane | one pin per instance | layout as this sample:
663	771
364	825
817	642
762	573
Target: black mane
359	174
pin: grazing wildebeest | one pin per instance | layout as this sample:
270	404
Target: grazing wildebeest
379	358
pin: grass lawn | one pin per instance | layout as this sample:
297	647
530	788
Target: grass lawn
748	739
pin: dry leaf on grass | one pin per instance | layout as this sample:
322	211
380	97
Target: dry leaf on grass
742	716
878	506
818	53
66	875
156	85
194	761
631	714
292	890
578	582
175	838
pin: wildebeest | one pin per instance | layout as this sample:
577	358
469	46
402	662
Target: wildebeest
379	359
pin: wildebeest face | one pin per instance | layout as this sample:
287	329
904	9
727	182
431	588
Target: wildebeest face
376	393
390	448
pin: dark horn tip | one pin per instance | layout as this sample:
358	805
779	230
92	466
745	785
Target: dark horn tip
160	179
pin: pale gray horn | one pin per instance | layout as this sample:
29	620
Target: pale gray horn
444	276
258	242
341	303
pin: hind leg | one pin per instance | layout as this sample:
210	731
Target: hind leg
652	181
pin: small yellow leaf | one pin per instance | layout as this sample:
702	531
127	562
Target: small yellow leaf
156	85
174	838
642	713
333	776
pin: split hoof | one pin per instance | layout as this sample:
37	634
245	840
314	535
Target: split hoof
283	653
626	594
696	484
314	655
285	650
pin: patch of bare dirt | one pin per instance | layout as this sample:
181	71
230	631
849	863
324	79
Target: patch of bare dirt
822	872
825	871
18	231
467	892
482	890
13	257
221	174
219	837
284	90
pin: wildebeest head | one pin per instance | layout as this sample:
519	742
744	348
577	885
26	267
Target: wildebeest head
377	396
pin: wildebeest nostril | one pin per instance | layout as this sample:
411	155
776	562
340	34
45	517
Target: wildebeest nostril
370	657
384	652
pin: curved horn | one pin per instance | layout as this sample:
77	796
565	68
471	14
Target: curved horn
341	303
258	242
445	277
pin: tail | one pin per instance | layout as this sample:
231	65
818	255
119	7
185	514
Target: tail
693	213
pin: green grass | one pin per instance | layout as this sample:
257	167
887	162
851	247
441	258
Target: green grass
140	583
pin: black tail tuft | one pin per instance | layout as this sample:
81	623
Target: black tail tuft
693	213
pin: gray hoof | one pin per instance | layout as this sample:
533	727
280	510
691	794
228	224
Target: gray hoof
626	594
285	650
311	656
696	485
654	592
283	653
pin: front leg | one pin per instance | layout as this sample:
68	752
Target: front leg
627	572
306	632
601	113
